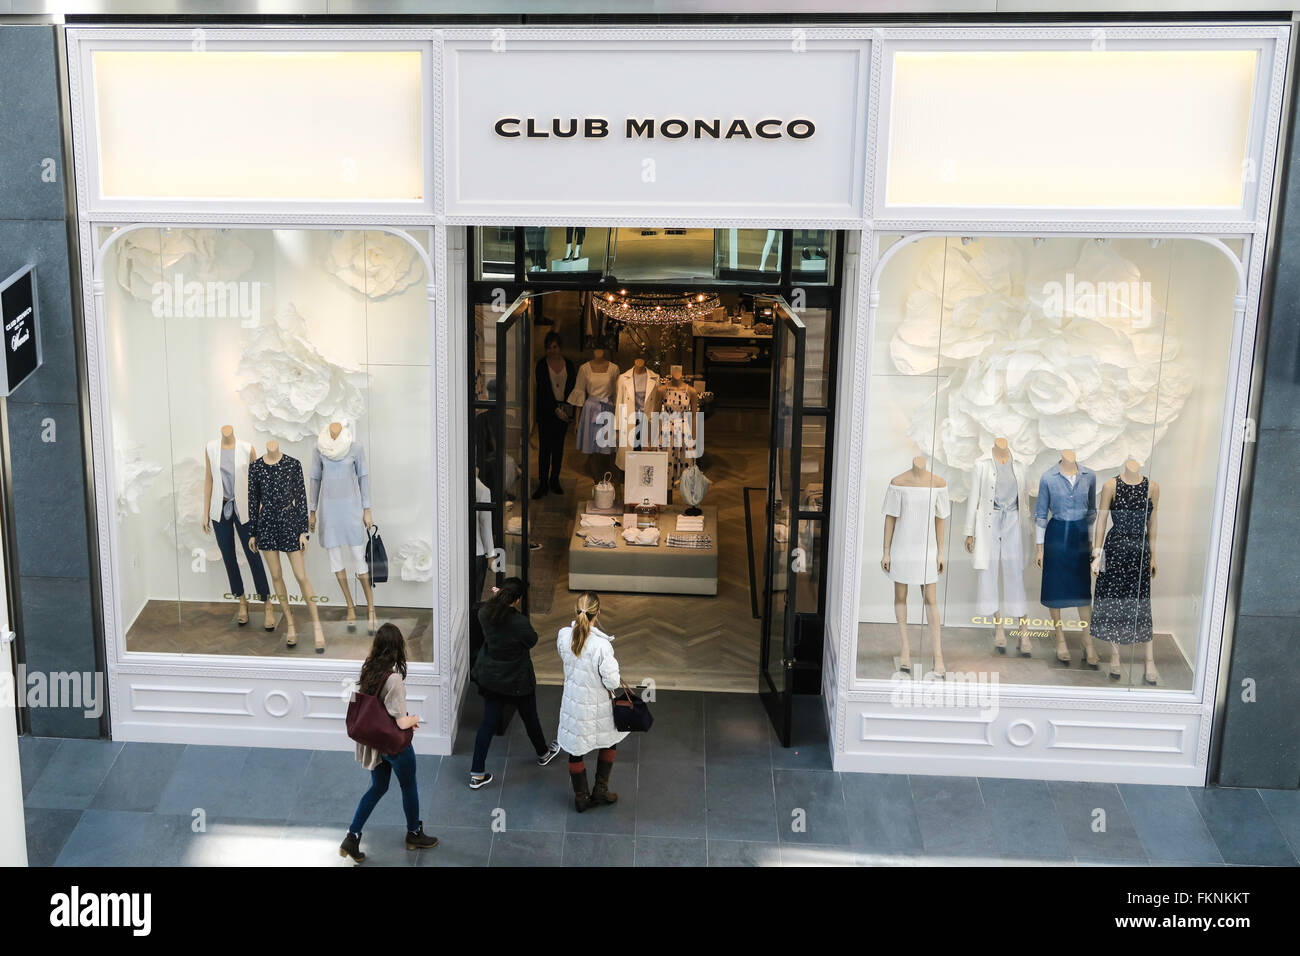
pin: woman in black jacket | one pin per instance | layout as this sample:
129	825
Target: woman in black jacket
503	671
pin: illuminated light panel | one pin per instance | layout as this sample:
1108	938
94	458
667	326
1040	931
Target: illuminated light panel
259	125
1071	128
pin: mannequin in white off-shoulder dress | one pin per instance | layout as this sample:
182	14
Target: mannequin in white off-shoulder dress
916	515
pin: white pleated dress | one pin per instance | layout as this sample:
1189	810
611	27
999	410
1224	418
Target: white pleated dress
914	552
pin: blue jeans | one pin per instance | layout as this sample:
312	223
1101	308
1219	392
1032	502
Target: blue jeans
404	764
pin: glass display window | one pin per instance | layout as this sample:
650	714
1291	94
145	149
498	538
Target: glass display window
1045	436
270	399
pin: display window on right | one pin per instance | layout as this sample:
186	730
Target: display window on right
1043	460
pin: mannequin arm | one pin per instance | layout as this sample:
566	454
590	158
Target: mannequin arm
207	493
1103	516
1151	526
940	531
890	520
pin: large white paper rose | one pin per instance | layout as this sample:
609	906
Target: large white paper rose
289	387
417	560
1049	355
376	263
148	256
188	509
133	475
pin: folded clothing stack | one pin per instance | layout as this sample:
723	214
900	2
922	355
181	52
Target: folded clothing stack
600	539
700	542
690	522
597	521
642	537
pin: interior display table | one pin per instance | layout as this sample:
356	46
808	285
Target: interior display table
645	570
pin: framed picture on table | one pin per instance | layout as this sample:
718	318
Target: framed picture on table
646	476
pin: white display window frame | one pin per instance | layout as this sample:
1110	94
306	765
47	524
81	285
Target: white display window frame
1050	731
849	702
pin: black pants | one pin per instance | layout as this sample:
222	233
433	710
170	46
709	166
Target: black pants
492	706
569	233
550	450
224	531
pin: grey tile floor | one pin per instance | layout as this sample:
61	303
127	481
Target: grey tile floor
709	785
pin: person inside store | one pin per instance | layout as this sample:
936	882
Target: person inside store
556	375
586	714
503	671
384	675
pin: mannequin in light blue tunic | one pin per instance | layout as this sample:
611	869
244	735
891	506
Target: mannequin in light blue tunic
339	499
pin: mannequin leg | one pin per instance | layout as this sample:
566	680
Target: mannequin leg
309	598
372	623
1090	658
342	578
931	594
1116	666
900	614
1062	649
272	559
1151	675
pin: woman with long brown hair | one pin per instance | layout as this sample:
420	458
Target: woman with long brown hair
384	674
586	712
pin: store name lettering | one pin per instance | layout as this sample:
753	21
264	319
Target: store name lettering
595	127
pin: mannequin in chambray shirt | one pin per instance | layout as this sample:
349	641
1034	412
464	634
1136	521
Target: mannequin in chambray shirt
1067	508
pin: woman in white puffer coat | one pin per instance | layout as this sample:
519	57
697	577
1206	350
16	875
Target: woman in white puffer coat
586	712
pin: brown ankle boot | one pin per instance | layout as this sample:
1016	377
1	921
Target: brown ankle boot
600	792
581	795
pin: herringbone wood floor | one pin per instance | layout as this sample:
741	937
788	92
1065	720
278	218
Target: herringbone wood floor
681	642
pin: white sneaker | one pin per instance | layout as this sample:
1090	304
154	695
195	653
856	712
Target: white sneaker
550	754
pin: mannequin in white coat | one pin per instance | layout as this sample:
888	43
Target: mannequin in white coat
225	514
635	388
995	514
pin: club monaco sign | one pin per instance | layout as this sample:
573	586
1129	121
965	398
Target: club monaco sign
514	127
609	128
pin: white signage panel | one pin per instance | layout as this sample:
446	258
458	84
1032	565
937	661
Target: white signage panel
764	125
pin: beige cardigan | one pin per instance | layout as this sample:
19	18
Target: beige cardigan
394	697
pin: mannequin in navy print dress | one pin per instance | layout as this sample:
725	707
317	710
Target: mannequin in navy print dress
277	507
1124	562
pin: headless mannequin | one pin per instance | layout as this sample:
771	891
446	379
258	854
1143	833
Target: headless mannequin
299	567
1070	466
228	441
674	382
372	623
1132	476
604	461
1001	453
917	477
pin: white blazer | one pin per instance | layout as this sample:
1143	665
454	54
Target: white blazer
625	408
979	508
243	452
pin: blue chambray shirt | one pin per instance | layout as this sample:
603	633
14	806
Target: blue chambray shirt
1055	496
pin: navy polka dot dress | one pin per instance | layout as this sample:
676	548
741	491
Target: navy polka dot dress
277	503
1121	612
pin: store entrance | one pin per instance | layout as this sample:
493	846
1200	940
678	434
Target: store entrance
647	444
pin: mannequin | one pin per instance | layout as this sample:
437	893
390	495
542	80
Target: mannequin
1124	562
916	510
994	521
635	387
340	489
1068	493
676	404
573	238
594	395
226	515
277	502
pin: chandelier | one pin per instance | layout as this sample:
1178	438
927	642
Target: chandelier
656	308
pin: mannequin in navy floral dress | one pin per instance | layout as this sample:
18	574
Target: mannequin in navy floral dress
1124	562
277	507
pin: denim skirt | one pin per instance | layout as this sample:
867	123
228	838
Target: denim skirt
1067	564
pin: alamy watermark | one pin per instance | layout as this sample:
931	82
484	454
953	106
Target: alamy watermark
1083	299
71	690
207	300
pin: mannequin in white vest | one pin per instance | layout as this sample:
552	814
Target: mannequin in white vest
225	514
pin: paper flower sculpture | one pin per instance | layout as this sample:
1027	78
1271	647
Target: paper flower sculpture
290	388
148	256
375	263
188	510
417	560
1048	356
133	476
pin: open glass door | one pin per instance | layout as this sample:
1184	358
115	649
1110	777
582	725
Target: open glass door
784	560
513	379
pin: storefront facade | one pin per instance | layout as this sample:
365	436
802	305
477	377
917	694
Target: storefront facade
1045	241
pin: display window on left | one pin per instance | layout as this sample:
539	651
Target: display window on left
270	438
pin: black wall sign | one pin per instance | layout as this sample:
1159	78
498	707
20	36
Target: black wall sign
22	337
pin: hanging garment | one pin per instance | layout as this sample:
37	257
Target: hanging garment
1122	605
694	486
914	551
1066	512
277	502
676	433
